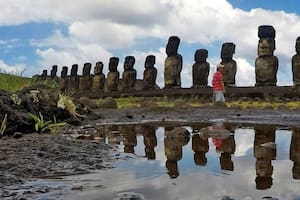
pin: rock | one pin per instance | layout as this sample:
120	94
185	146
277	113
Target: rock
148	104
17	135
88	103
108	102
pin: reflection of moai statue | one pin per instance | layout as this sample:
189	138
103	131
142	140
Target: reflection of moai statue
73	79
85	83
44	75
150	73
200	147
98	78
175	139
266	65
229	70
64	79
264	152
130	140
53	72
295	153
227	149
129	74
112	80
296	64
200	68
173	63
150	141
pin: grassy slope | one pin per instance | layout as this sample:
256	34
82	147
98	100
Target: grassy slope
13	83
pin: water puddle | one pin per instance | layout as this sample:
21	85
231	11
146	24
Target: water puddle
199	161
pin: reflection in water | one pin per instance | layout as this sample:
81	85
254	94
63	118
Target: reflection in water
295	153
150	141
129	136
200	147
264	152
175	139
222	136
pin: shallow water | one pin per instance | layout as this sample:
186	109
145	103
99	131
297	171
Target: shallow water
223	161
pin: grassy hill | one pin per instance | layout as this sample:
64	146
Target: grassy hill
13	83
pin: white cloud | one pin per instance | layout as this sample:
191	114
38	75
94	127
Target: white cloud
17	69
96	27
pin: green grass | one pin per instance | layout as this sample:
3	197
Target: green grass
13	83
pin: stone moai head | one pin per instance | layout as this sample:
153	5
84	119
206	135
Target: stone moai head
98	68
150	61
129	62
44	73
172	46
86	69
53	71
266	43
74	70
228	49
201	55
297	45
64	72
113	64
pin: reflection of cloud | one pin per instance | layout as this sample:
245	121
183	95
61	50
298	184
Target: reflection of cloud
244	142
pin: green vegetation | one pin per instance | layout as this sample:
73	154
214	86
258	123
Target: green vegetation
42	126
13	83
131	102
3	125
65	102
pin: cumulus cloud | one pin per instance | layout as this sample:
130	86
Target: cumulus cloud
17	69
101	27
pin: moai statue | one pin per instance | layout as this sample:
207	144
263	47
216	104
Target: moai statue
53	72
112	80
266	65
173	64
150	73
85	83
296	64
73	79
264	155
174	141
99	77
229	70
130	140
150	141
129	74
200	147
64	79
295	153
200	68
44	75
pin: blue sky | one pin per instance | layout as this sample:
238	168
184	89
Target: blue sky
34	35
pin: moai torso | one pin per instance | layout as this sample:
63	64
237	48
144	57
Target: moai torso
64	79
296	64
44	75
173	63
150	73
85	83
230	67
266	65
112	80
99	77
264	155
73	79
129	74
200	68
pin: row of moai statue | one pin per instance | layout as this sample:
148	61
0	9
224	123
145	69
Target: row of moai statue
98	81
266	67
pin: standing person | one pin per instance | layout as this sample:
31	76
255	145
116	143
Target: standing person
218	85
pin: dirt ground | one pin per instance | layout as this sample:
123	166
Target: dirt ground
46	155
